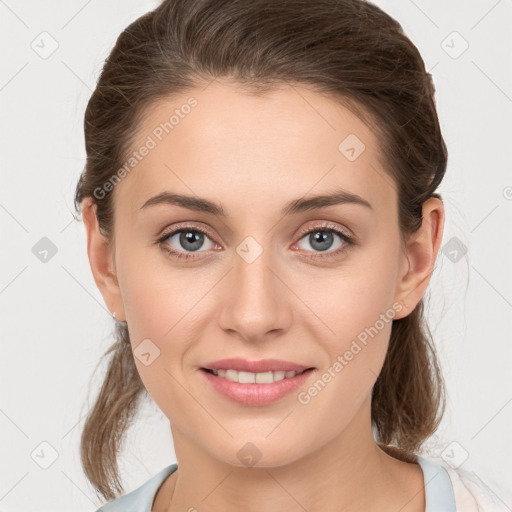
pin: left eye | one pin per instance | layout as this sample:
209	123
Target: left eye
321	239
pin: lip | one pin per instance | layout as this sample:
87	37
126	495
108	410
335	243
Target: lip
265	365
254	394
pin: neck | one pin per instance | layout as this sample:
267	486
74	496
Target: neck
349	473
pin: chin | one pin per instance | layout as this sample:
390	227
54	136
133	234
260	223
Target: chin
260	454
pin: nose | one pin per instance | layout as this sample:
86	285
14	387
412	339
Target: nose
255	302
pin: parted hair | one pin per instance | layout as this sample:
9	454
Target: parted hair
348	49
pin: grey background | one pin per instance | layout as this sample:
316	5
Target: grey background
55	326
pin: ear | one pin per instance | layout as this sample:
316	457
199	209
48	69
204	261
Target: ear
101	259
420	257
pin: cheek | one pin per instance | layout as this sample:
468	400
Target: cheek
357	309
360	316
165	309
153	294
153	310
352	302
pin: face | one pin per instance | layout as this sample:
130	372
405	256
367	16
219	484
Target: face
316	286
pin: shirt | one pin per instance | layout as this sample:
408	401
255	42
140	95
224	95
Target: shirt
446	490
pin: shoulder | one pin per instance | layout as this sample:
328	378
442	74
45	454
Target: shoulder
140	499
471	493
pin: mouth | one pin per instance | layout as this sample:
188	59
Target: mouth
243	377
255	389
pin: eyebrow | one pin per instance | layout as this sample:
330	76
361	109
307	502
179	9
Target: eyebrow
293	207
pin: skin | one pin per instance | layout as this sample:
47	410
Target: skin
253	155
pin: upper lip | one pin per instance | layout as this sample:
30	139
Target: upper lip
264	365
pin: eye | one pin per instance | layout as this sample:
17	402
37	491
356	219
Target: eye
323	237
190	238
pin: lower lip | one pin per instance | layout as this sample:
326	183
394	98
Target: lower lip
256	394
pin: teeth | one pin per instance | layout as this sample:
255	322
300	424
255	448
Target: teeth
254	378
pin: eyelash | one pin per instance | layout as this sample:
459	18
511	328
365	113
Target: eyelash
325	227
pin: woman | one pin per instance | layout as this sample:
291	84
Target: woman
262	220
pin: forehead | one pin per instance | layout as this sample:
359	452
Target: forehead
245	149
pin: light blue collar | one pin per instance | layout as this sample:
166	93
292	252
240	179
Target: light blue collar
439	494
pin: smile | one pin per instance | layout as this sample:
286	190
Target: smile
254	378
255	389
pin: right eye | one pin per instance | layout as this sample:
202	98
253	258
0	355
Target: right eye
190	238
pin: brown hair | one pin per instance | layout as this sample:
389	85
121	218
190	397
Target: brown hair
349	49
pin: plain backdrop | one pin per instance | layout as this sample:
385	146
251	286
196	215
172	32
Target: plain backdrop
55	326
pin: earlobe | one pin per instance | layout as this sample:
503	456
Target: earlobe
101	260
421	254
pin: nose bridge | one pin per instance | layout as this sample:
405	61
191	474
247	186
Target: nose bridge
253	279
255	301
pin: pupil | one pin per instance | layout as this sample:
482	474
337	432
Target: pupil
322	238
191	237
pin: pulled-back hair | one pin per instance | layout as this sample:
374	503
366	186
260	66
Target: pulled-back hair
349	49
